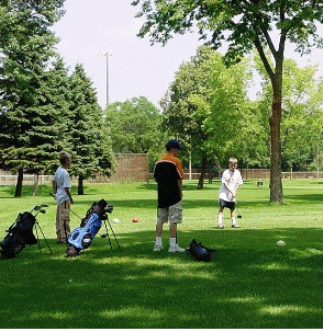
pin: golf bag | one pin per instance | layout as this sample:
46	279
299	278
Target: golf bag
82	237
19	234
199	252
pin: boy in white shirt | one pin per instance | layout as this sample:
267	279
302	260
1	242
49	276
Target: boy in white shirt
61	187
231	179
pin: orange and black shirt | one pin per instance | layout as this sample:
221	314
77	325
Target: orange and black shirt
168	171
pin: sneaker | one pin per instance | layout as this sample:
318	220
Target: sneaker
236	226
158	248
220	226
176	249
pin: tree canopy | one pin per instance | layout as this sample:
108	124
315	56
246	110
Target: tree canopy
243	25
28	134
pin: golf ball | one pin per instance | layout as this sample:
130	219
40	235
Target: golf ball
116	220
281	243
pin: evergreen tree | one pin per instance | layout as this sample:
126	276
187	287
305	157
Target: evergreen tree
85	137
27	131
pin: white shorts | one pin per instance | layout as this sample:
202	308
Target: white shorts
172	214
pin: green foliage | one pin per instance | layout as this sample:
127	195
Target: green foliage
206	107
135	127
28	117
243	25
42	109
301	115
85	136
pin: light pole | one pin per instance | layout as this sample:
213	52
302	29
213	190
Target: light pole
107	54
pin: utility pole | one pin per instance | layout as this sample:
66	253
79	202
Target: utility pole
107	54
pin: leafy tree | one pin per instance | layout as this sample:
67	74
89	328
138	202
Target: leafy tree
85	137
135	127
243	24
27	120
206	102
301	113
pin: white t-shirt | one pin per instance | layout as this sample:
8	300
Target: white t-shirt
231	179
62	179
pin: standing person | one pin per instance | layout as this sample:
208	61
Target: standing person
169	174
231	179
61	187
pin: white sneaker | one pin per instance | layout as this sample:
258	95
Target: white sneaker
158	248
176	248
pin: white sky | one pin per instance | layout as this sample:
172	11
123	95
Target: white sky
91	28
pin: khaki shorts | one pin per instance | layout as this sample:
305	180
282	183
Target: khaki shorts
172	214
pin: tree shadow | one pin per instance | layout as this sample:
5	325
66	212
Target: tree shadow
250	283
308	198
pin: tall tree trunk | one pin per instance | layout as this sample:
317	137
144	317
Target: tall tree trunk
202	175
276	189
20	179
36	182
80	189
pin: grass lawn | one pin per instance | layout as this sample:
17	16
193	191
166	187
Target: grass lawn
250	283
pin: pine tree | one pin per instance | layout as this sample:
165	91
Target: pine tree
85	135
27	116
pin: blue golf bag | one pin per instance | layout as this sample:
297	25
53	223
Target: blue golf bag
19	235
82	237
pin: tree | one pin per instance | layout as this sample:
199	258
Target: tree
27	119
301	113
205	104
135	127
85	137
243	24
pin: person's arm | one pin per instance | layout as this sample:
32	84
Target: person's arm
54	187
68	192
180	181
180	185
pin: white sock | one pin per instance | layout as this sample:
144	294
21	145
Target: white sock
233	219
158	241
220	219
172	241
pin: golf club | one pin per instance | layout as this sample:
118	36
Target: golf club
75	214
42	211
37	207
53	195
238	214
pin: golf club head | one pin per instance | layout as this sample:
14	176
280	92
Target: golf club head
239	216
104	235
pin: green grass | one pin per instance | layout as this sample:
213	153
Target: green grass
250	283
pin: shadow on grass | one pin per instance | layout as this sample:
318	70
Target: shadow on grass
308	198
250	283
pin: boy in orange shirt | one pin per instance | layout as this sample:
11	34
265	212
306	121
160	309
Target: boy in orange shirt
169	174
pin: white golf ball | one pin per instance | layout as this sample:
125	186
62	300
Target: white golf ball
116	220
281	243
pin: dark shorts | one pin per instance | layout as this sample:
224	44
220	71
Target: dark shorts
227	204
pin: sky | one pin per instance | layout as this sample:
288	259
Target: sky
92	28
